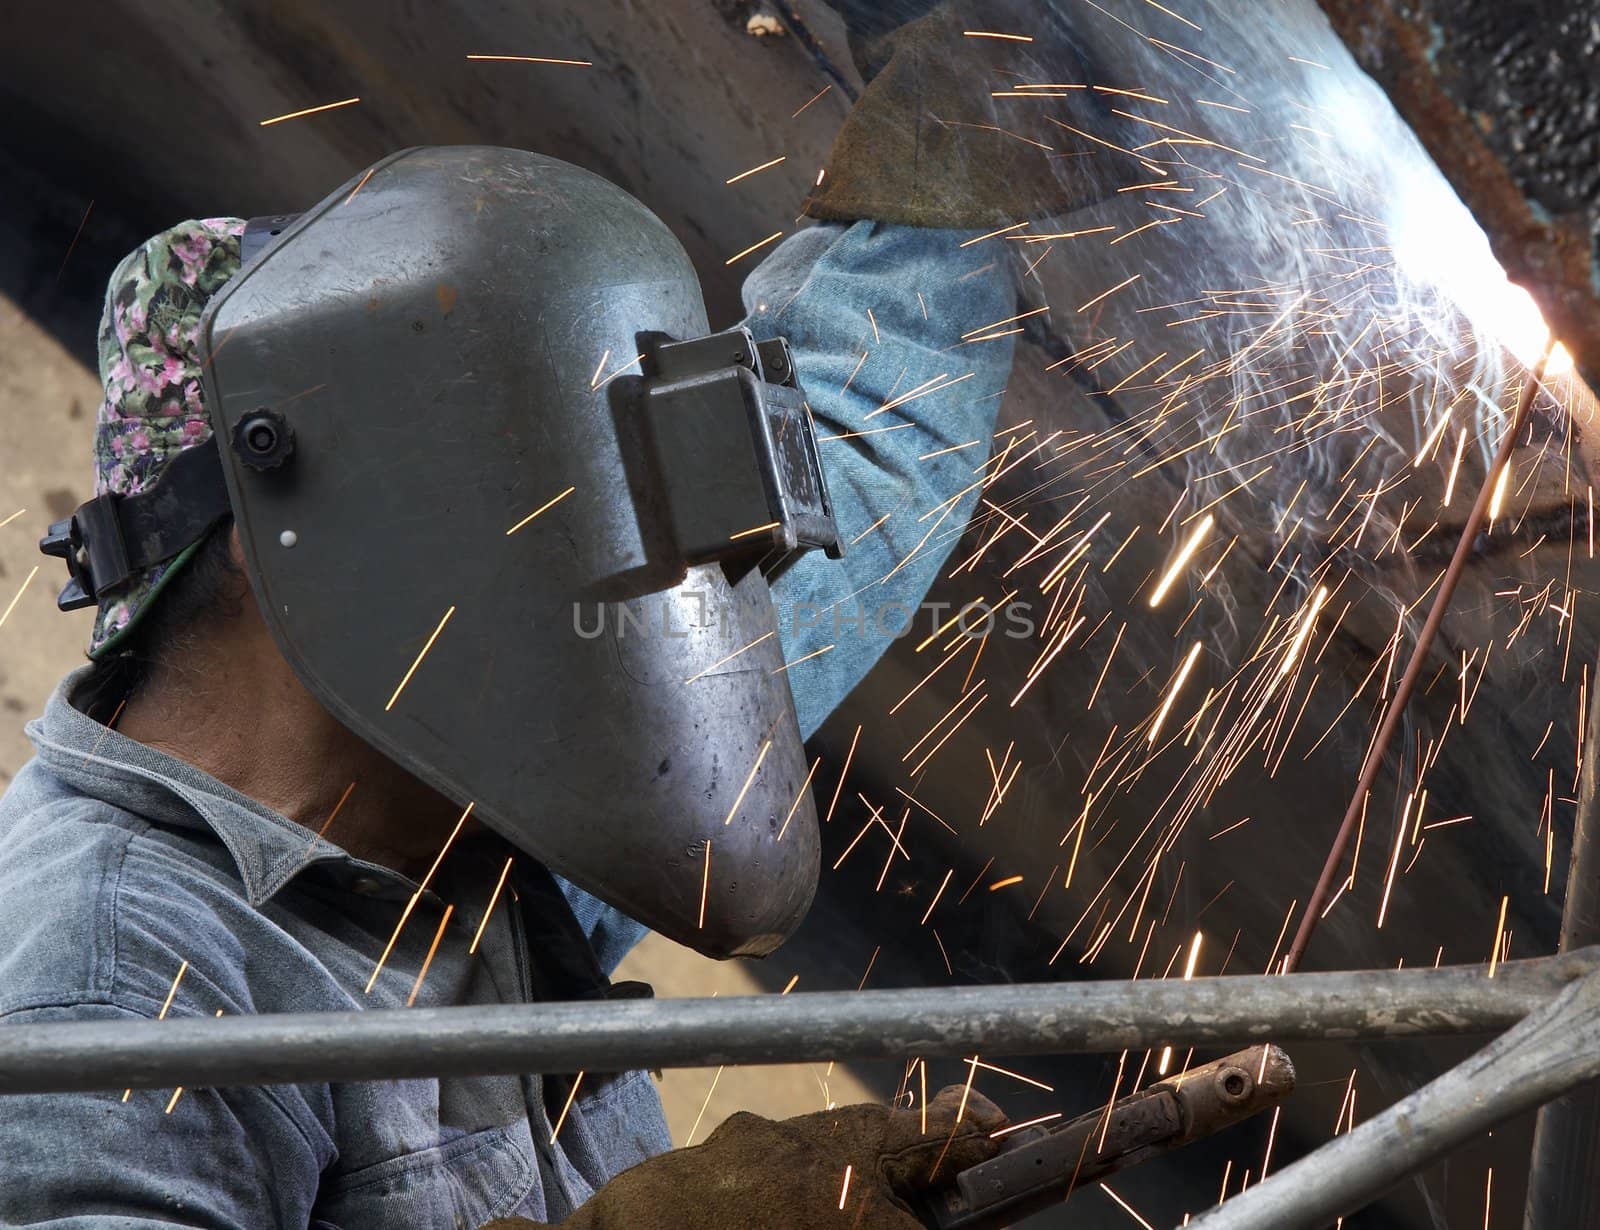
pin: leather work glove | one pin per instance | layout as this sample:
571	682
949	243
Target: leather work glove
928	143
790	1174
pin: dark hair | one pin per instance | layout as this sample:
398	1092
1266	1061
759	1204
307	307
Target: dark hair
209	586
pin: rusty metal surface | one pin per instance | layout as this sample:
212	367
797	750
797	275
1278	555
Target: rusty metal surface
1506	98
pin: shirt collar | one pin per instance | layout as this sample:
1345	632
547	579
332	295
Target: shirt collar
268	849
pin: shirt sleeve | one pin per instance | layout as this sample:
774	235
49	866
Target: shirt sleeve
890	328
232	1159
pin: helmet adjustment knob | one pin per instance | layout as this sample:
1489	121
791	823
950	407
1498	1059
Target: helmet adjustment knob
263	439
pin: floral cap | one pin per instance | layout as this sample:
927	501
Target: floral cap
150	367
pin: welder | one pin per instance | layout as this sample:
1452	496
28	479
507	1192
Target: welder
463	601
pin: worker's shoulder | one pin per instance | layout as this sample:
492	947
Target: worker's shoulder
100	906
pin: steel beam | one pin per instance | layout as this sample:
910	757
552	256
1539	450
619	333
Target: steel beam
1044	1018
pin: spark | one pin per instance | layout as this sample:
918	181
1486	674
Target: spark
845	1190
12	605
548	504
416	987
943	884
418	662
743	790
1005	883
1194	957
359	186
1016	1076
1015	38
1197	536
730	657
746	174
534	60
804	786
715	1078
1307	621
615	372
1172	693
415	897
1170	13
845	772
489	909
294	115
761	243
1499	929
807	103
1006	321
162	1015
1017	1127
815	653
954	448
76	235
567	1106
705	889
1126	1207
753	530
12	518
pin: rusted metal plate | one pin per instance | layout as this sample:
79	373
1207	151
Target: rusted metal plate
1507	100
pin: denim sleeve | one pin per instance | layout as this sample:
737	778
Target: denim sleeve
221	1159
900	508
878	315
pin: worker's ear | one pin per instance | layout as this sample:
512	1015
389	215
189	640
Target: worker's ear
235	547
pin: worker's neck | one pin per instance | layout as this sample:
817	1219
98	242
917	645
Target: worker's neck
237	711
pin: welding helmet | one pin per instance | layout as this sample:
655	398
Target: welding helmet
509	508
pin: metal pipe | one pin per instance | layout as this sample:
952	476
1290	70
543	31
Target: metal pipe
1317	903
1044	1018
1555	1049
1566	1142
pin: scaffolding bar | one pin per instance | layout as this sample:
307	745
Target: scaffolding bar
1556	1049
1043	1018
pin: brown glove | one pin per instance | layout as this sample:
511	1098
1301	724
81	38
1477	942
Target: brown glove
928	144
790	1174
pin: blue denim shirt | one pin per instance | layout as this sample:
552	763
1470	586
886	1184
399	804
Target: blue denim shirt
133	885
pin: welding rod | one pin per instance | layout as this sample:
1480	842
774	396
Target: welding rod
1036	1019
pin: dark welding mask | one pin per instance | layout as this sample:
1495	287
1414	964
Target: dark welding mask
510	508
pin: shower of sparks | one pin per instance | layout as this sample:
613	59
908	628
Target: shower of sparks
535	60
294	115
548	504
418	662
